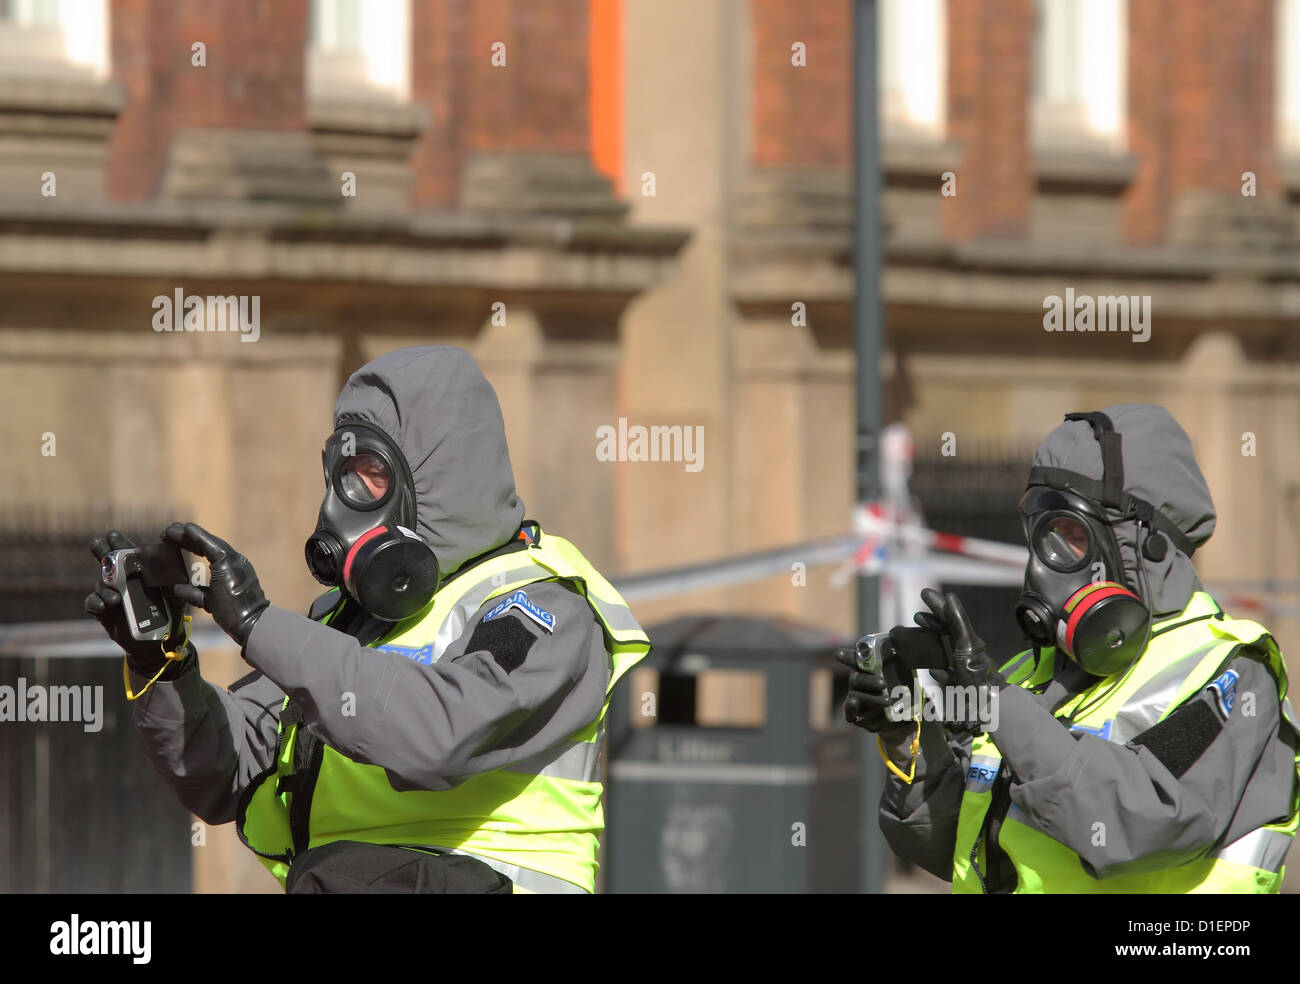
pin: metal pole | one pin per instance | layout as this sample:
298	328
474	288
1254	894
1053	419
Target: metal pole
868	330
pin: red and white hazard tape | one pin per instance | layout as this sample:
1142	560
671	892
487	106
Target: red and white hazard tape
872	518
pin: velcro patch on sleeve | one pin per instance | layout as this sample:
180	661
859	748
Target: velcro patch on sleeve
519	601
1182	738
506	638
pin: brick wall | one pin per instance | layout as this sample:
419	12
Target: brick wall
802	116
989	70
253	77
438	69
1200	105
1201	81
539	100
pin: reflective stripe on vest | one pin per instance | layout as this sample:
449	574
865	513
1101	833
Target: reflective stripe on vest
523	878
576	760
1264	848
1145	705
535	820
1165	677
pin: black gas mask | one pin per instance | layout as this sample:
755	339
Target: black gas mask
364	541
1075	595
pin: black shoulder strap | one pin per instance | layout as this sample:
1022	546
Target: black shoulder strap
1112	455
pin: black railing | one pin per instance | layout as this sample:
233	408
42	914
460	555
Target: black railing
975	493
46	568
84	811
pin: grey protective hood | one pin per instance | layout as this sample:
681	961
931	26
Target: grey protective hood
435	403
1160	467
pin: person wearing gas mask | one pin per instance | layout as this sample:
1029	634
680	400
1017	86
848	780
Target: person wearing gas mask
1144	742
434	723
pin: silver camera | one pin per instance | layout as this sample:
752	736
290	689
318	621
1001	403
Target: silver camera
147	612
873	650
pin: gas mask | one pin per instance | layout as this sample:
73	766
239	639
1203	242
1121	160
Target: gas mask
364	542
1075	596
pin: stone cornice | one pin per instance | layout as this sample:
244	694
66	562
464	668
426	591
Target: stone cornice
247	241
69	94
374	117
1083	170
1017	275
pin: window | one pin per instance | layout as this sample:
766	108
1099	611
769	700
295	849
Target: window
54	37
913	64
359	50
1288	76
1080	72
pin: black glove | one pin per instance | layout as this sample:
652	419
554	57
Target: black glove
868	697
105	603
233	596
969	664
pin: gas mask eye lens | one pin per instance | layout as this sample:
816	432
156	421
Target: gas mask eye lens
365	479
1063	543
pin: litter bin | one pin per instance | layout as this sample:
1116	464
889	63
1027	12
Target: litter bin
731	768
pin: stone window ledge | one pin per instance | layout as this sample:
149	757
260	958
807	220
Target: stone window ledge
62	124
65	93
1083	168
907	158
372	138
378	117
1289	170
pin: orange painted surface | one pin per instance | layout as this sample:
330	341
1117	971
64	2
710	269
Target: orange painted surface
605	57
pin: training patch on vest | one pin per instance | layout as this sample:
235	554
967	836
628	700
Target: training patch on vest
507	639
521	601
1182	738
1224	690
421	654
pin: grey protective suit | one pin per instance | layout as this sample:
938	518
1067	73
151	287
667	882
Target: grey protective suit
1065	781
429	726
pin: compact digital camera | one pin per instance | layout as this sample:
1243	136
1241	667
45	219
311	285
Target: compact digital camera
139	575
897	655
874	650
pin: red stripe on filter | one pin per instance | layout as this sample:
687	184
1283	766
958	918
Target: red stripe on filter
1079	605
362	539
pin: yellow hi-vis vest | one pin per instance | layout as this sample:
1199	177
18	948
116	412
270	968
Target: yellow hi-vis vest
537	821
1178	663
